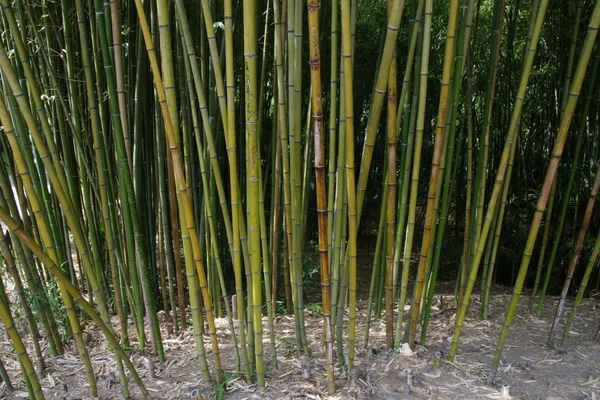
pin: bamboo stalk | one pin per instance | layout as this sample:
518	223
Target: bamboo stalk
561	137
499	180
317	120
435	167
587	216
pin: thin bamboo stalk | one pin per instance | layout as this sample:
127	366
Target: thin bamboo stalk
499	180
182	187
16	228
575	163
18	345
587	216
561	137
584	281
435	166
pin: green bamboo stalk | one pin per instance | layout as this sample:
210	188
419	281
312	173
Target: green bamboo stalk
31	277
461	54
117	49
561	137
497	232
255	295
182	187
584	281
376	271
282	115
16	228
264	240
546	234
44	231
19	289
6	378
392	96
575	163
435	165
420	125
350	173
333	116
499	180
587	216
407	140
339	214
406	211
25	361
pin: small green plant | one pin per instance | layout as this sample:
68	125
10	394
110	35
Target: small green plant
310	265
280	307
222	387
316	309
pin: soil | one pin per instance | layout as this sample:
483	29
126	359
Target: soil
531	369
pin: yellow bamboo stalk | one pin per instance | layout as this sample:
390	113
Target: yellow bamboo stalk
181	185
319	143
430	215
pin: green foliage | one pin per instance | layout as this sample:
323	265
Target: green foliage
54	302
280	307
316	309
311	273
221	387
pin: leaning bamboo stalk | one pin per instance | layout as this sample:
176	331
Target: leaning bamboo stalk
496	239
47	240
208	131
182	187
31	277
576	160
356	191
55	270
571	59
19	289
499	180
479	189
584	281
561	136
18	345
33	86
376	106
498	231
545	236
587	216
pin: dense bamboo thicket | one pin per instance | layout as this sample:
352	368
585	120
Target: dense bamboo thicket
236	159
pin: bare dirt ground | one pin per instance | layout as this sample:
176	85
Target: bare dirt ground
532	370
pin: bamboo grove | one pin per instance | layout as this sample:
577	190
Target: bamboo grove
164	156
